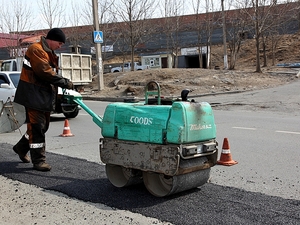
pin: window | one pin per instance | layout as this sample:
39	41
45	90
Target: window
3	80
15	77
152	61
6	66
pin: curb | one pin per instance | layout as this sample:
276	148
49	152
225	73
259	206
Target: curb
121	99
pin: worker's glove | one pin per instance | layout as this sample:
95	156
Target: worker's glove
70	85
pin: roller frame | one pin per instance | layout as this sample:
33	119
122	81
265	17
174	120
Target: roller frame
166	159
163	168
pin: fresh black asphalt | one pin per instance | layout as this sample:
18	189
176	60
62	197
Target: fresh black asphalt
209	204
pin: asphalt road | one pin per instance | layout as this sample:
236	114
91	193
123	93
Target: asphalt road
235	195
210	204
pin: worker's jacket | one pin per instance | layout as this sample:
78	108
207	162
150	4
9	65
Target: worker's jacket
37	88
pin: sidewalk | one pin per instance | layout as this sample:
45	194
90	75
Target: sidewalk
22	203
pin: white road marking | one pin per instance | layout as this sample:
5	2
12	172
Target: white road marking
277	131
287	132
244	128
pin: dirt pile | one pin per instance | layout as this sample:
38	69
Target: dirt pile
198	81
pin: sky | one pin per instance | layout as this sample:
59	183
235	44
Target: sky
79	12
68	9
32	16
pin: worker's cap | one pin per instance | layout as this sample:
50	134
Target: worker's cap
56	34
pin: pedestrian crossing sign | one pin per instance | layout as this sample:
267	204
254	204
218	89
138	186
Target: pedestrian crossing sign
98	37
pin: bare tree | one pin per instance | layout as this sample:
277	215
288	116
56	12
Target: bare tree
224	36
281	17
108	25
260	13
75	34
87	12
105	10
196	7
173	25
53	12
135	15
106	19
211	22
16	16
237	32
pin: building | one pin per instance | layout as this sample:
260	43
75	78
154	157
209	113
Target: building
164	44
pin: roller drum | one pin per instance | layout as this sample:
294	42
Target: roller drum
120	176
161	185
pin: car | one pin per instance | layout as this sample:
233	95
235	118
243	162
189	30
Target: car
8	85
9	81
127	67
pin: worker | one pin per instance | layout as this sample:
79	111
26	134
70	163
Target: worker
37	91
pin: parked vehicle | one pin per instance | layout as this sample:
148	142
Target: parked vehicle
12	64
107	67
8	84
76	67
127	67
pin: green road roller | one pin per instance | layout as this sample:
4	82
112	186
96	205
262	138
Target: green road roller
169	144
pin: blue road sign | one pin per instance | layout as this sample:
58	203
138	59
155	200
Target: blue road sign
98	37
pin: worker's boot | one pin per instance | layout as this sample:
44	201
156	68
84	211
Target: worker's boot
39	159
21	148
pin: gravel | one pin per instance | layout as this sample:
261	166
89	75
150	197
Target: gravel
22	203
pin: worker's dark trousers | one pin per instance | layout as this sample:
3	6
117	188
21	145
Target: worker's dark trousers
37	126
23	144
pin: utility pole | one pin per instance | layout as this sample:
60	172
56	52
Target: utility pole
98	47
224	37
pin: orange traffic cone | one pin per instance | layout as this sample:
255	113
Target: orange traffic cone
67	130
225	158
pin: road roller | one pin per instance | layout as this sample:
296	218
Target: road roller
169	144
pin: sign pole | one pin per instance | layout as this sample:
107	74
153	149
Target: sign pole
98	47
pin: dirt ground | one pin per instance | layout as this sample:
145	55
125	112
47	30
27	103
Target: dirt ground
198	81
206	81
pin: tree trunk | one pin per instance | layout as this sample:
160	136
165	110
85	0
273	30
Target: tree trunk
257	35
264	52
132	58
258	69
200	57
